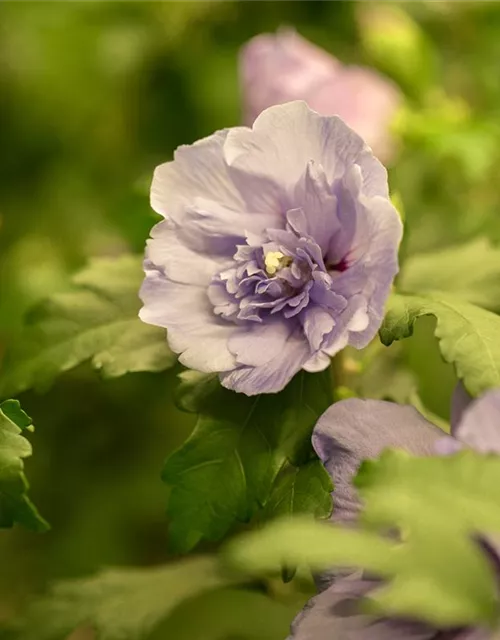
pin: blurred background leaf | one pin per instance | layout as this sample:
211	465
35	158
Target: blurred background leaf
92	97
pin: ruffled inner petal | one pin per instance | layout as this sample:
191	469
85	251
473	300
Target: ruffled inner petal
314	195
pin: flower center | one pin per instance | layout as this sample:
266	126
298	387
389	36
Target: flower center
275	261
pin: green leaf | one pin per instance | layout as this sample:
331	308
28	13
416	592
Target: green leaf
398	45
118	603
195	389
303	489
95	320
468	335
15	506
386	376
437	572
470	271
229	613
224	472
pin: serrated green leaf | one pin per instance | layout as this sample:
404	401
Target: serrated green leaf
95	320
15	506
468	335
438	572
387	377
229	613
224	472
470	271
118	603
304	489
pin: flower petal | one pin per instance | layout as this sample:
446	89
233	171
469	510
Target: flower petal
318	323
353	430
335	613
282	67
460	400
314	195
272	376
260	343
193	329
371	231
479	427
286	137
212	228
176	260
198	171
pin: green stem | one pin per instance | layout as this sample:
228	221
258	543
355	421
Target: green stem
337	373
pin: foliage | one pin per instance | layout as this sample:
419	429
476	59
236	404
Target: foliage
229	467
437	572
97	320
93	96
15	506
467	335
118	603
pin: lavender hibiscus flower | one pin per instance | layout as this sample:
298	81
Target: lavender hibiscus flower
278	248
277	68
350	432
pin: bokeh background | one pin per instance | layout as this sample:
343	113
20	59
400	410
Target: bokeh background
93	95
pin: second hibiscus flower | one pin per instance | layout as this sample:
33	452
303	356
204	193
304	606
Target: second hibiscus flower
277	68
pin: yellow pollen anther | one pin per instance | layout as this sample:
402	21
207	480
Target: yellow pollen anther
275	260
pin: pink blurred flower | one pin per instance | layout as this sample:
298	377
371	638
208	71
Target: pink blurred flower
278	68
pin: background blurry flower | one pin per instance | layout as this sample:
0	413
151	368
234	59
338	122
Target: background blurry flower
283	67
354	430
279	248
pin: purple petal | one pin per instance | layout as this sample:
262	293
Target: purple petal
447	446
353	430
314	196
460	400
373	242
212	228
282	67
194	330
479	427
257	345
279	68
335	613
318	322
198	171
176	260
285	138
352	320
272	376
366	101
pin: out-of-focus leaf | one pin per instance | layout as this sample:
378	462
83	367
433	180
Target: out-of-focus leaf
95	320
225	470
468	335
15	506
438	572
398	45
229	613
387	377
470	271
118	603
